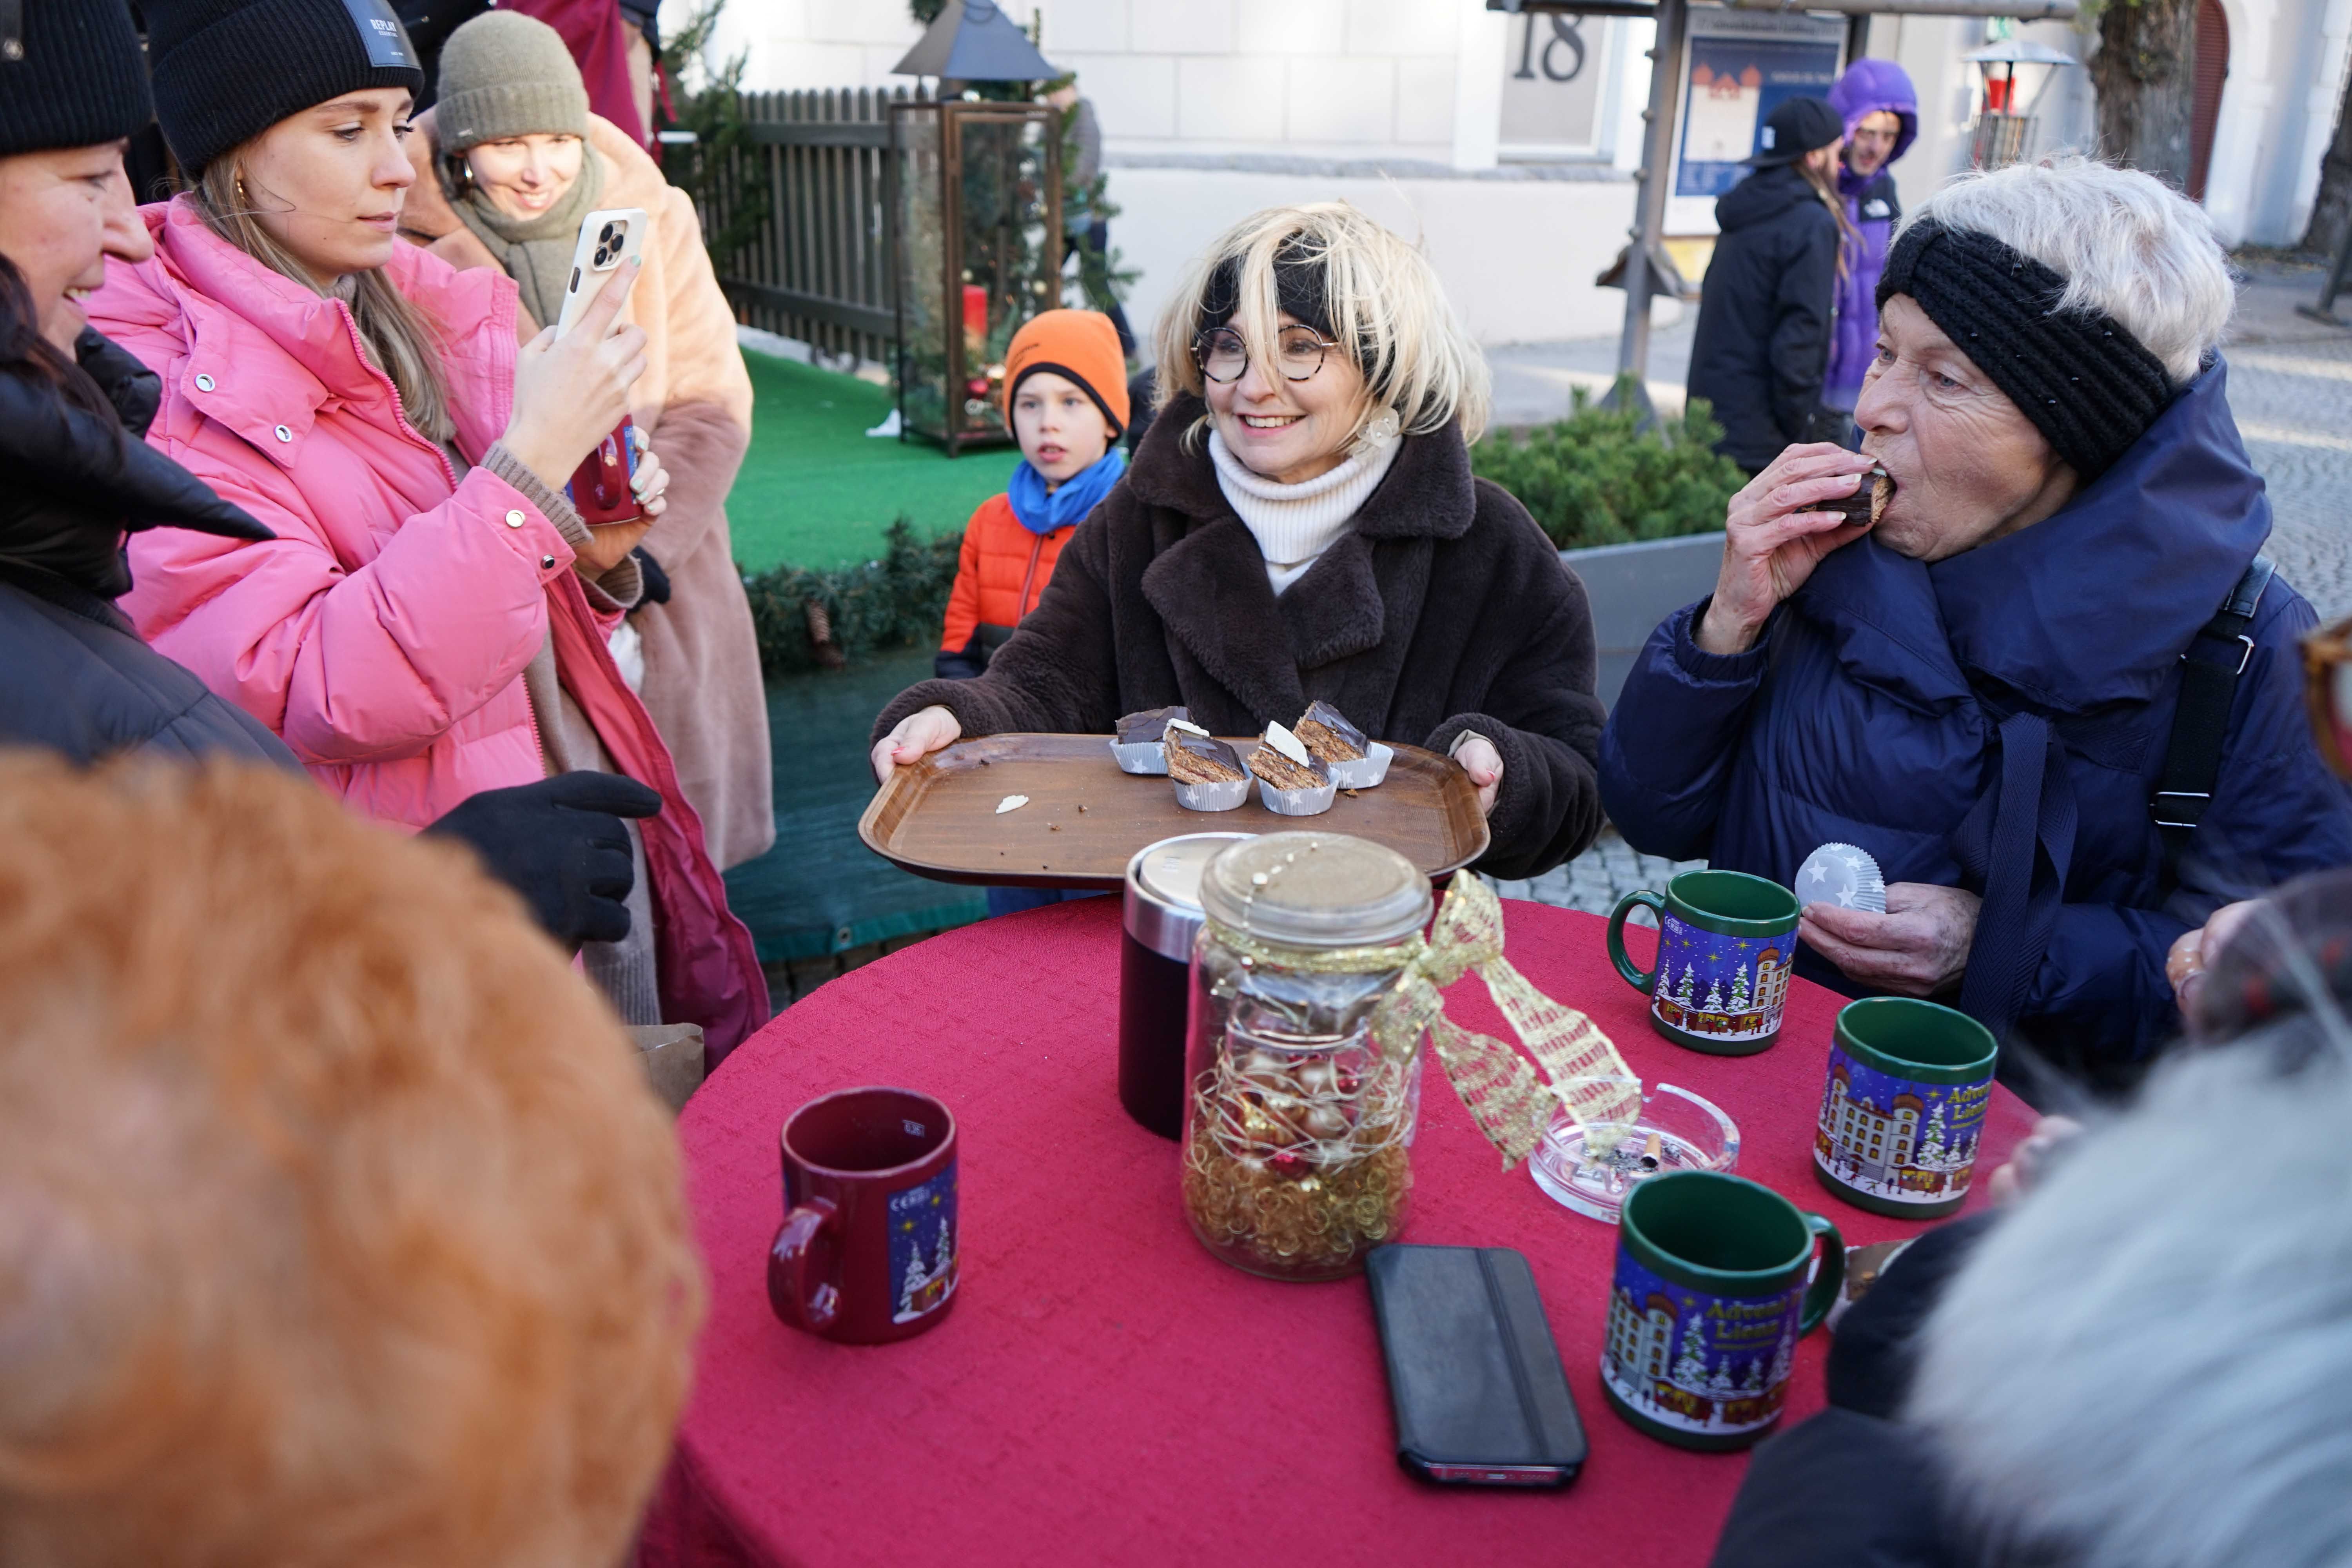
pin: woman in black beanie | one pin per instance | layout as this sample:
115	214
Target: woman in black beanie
2040	670
430	620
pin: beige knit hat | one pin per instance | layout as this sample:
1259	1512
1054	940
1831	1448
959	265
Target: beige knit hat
504	74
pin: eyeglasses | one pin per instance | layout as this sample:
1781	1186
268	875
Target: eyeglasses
1223	356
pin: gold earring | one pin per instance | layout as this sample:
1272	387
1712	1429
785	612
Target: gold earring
241	200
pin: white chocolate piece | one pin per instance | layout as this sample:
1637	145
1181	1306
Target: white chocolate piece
1187	727
1010	803
1288	744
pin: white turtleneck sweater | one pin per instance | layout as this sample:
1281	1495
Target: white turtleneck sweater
1295	524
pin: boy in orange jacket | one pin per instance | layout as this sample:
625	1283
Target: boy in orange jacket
1065	399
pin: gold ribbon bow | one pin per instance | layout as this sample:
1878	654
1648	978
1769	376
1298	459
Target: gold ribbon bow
1503	1091
1512	1105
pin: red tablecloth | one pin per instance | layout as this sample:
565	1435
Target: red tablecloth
1107	1392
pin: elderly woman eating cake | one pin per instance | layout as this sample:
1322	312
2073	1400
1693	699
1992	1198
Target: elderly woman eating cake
2052	688
1300	523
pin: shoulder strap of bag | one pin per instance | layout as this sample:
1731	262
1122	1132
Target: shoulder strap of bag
2209	669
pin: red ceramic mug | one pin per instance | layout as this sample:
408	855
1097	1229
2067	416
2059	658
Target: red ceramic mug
867	1251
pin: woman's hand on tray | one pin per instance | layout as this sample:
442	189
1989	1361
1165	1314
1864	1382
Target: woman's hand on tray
916	736
1485	765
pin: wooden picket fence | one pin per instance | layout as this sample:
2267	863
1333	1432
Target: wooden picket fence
817	267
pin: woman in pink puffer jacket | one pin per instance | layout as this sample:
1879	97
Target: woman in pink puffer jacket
414	634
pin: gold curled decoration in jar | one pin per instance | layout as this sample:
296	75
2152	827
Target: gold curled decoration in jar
1580	1068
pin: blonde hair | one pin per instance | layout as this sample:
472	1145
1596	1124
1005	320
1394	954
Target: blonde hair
1823	179
337	1223
1388	313
399	340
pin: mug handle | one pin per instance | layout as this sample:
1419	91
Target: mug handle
1656	905
1830	1280
790	1296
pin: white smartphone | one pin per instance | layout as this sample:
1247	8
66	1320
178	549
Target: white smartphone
608	236
600	489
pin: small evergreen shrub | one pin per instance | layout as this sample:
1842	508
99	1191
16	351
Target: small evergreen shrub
1591	478
897	601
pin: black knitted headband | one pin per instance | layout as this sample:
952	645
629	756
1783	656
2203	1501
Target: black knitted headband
2086	383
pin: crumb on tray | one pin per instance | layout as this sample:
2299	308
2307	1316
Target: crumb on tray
1010	803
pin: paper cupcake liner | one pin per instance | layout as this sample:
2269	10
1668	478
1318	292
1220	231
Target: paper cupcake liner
1869	882
1367	771
1312	802
1215	796
1141	756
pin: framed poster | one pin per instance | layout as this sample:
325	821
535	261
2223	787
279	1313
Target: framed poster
1738	67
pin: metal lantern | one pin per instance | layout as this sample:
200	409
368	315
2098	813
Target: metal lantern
2003	132
976	223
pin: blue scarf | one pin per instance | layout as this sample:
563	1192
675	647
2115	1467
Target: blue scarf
1043	513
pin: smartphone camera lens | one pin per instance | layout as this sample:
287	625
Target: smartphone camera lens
605	236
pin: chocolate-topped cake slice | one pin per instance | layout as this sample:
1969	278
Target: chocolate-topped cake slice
1868	502
1149	726
1327	735
1202	759
1283	762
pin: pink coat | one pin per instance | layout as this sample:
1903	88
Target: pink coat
384	633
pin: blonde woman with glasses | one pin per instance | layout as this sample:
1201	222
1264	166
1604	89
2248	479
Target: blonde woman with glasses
430	620
1301	523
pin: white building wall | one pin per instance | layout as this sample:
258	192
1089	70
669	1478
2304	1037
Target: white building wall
1517	257
1212	109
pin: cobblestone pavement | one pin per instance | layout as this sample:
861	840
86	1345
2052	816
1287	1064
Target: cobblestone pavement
2290	385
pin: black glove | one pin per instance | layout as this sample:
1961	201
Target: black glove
561	844
656	580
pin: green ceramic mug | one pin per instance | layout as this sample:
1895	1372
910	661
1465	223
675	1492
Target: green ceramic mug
1708	1302
1725	940
1904	1106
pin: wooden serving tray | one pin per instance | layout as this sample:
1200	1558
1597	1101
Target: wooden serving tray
938	817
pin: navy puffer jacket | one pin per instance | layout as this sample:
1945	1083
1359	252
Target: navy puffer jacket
1872	711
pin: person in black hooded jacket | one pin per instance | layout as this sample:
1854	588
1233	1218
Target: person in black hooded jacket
76	476
1769	301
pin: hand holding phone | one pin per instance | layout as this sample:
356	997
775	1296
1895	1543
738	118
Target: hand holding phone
569	392
605	258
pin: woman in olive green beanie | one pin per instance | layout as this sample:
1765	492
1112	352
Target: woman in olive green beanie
512	124
508	162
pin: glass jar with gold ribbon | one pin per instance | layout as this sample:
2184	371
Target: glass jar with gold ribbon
1313	992
1300	1114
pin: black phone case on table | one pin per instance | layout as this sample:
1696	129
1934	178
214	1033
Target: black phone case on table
1474	1379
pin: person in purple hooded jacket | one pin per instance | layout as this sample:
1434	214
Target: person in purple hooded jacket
1882	118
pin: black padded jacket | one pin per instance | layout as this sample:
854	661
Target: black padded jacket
1765	316
74	676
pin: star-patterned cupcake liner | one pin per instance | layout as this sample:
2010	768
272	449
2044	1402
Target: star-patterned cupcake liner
1843	875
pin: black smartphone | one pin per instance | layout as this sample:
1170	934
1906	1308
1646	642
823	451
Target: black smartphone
1473	1376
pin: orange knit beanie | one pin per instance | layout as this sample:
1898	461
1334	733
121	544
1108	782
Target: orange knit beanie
1081	345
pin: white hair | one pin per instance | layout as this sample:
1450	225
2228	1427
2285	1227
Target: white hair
2145	1366
2126	244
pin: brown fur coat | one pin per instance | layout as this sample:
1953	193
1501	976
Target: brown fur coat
1446	609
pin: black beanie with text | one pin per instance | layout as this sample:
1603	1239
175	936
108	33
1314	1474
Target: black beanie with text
226	70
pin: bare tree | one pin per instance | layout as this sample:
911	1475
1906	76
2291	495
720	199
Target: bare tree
2331	213
2146	75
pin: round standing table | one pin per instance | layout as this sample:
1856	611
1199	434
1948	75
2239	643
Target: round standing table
1104	1391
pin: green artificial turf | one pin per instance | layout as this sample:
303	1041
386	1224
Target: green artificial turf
817	491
